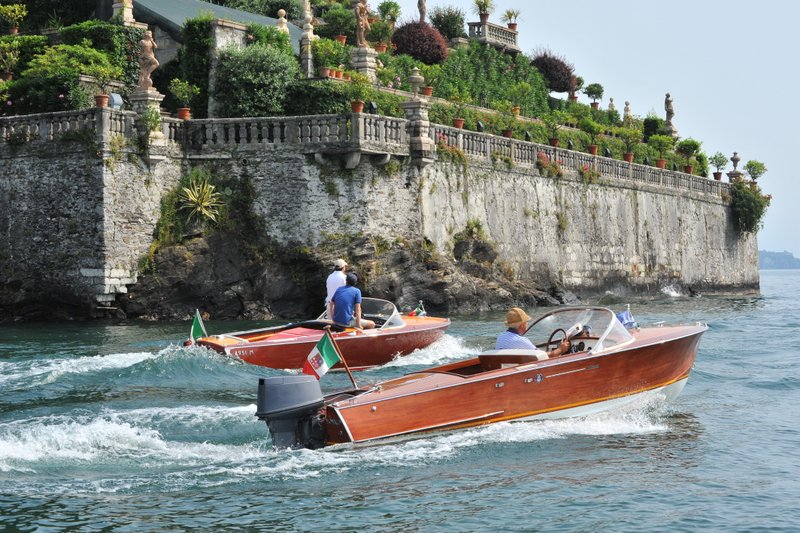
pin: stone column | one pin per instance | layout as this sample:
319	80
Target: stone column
306	54
124	10
422	147
364	60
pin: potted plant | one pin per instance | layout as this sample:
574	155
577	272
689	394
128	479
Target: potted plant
13	14
662	144
9	57
593	130
184	92
505	120
151	121
595	92
575	85
328	54
718	161
755	169
459	100
688	148
553	121
380	33
358	90
483	8
510	18
519	93
104	74
389	10
631	137
431	73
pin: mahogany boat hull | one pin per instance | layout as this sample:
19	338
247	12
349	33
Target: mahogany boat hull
608	364
360	348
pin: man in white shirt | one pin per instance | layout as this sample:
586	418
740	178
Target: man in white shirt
517	323
337	278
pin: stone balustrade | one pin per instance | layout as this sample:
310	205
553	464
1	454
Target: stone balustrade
494	35
340	134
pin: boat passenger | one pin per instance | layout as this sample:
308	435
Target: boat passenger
336	279
346	303
517	322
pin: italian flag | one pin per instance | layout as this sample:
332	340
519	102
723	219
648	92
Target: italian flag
322	357
198	328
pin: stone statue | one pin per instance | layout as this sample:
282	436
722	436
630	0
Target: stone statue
147	60
669	109
281	24
362	23
611	106
626	112
423	10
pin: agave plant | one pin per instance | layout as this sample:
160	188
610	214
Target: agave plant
201	200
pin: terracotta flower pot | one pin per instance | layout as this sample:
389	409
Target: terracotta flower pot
101	100
427	91
357	106
458	123
508	133
573	98
6	76
553	141
595	105
718	176
184	113
628	156
688	169
341	39
484	17
593	149
13	30
380	47
338	74
661	163
324	72
512	26
516	110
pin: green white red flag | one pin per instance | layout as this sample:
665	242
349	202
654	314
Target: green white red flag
322	357
198	328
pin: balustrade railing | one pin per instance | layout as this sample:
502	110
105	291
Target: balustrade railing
493	35
339	133
523	153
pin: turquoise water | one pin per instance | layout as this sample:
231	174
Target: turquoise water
117	427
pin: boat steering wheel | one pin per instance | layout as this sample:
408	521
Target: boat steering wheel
551	341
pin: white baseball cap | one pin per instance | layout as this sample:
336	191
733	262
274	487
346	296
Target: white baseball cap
340	263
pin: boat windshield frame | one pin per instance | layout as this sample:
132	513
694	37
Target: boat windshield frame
376	308
601	321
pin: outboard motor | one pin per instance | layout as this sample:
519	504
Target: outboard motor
290	405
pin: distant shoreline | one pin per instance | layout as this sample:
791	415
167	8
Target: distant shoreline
777	261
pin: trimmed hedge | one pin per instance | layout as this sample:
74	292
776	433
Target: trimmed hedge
195	60
421	41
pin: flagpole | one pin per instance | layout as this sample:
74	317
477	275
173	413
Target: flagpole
339	353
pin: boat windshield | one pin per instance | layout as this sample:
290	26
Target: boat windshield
598	322
383	312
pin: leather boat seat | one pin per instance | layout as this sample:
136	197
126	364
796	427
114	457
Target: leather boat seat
494	359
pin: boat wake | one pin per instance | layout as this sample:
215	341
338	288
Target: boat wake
447	348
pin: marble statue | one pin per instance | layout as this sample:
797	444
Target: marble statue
362	23
147	60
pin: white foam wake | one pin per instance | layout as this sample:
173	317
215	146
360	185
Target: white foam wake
42	372
448	348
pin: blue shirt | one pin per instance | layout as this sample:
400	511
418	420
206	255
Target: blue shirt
510	339
344	303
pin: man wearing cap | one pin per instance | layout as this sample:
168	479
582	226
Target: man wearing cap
517	323
346	303
336	279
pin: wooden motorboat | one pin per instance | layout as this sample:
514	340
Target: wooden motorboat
607	365
288	346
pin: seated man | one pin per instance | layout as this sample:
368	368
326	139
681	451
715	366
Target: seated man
517	323
347	305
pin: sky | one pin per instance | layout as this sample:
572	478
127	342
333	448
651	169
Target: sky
730	66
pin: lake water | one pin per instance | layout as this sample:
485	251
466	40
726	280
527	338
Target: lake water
117	427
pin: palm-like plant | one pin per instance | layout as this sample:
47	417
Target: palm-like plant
201	199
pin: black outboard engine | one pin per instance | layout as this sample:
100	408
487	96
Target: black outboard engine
290	406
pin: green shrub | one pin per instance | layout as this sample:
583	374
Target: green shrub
29	46
749	206
389	10
661	144
421	41
51	77
449	20
269	8
338	21
380	31
42	12
329	53
194	59
270	36
253	81
315	98
119	43
652	125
